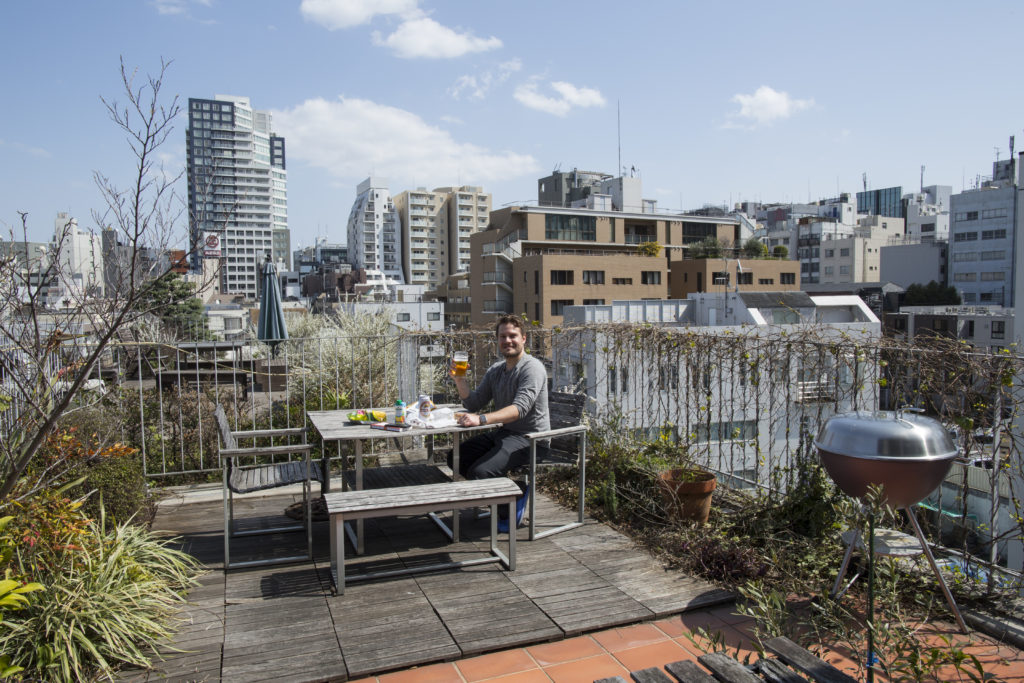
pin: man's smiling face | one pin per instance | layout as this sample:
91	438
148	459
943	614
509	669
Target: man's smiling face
511	341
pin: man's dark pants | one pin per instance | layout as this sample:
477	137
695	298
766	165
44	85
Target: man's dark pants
492	454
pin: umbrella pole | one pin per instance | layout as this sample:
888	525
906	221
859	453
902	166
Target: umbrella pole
871	595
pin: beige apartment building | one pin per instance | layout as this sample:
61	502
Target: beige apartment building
691	276
435	228
535	261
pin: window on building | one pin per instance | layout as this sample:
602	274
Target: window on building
927	227
993	234
561	277
969	329
650	277
536	310
998	329
968	297
434	315
622	280
593	277
994	213
575	228
733	430
593	302
558	305
766	281
612	380
829	253
403	317
828	270
997	255
964	277
787	278
844	252
987	297
668	377
745	278
844	270
536	282
965	237
992	276
965	256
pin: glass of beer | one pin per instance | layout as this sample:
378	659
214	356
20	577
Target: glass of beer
461	360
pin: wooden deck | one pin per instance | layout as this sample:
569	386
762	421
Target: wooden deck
283	623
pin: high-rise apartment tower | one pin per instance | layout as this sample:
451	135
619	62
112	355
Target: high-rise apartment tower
237	189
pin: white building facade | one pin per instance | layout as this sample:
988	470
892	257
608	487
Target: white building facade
436	226
374	234
81	264
981	243
237	189
740	395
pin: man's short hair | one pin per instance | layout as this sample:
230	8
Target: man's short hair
513	320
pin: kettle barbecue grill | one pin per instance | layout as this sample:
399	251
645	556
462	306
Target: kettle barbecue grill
905	453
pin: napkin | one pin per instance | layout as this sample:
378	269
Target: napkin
438	417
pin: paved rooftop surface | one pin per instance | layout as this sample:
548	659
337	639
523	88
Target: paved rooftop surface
283	623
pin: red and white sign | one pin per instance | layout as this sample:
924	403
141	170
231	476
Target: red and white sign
211	245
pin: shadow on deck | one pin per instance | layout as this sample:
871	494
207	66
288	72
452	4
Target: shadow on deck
283	624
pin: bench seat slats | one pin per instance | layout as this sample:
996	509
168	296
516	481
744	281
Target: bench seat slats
454	493
249	479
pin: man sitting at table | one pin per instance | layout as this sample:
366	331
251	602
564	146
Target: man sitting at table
516	388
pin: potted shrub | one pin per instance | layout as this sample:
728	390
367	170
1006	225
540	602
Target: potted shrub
686	492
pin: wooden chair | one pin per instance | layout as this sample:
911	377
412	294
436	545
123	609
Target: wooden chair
563	444
245	470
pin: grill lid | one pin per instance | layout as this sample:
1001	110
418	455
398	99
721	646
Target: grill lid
886	435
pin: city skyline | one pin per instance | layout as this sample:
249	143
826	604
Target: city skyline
740	102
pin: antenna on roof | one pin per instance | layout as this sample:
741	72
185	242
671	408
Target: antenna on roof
922	178
618	130
864	180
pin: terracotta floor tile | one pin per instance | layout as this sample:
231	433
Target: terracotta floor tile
692	621
727	613
565	650
626	637
672	626
655	654
496	664
435	673
586	670
372	679
531	676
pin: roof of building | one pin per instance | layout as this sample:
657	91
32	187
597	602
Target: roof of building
776	300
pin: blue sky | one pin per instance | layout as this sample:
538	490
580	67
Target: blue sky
720	102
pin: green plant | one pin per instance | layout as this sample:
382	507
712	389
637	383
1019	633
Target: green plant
109	601
780	251
649	248
12	593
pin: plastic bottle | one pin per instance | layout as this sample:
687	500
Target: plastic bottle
425	405
400	411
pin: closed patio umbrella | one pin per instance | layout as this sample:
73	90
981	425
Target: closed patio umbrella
271	328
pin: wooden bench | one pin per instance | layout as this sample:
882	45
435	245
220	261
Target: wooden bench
794	665
343	506
262	474
563	444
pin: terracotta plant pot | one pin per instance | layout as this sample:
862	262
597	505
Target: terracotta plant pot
687	493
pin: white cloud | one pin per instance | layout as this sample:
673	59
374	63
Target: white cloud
424	37
348	137
173	7
454	120
337	14
765	106
476	87
569	96
37	152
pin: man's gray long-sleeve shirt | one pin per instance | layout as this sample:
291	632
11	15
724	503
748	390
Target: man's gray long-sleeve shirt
525	386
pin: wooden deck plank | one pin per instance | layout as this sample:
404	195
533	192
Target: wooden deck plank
581	580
